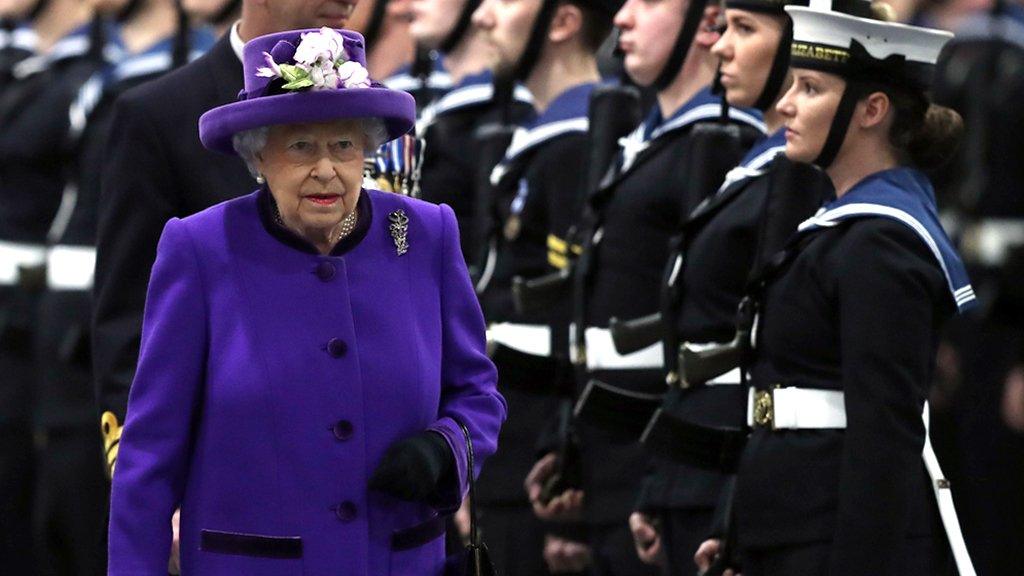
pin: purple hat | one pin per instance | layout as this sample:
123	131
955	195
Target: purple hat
306	76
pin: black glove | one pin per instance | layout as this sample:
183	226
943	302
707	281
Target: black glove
413	468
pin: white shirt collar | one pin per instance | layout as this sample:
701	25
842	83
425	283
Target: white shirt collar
236	41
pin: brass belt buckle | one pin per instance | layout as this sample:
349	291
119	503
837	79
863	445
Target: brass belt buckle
764	409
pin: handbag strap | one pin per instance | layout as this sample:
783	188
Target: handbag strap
474	539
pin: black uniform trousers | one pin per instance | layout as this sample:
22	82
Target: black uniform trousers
921	556
71	503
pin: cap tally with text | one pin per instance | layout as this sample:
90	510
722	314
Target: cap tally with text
859	48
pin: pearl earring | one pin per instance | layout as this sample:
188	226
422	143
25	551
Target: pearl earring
260	179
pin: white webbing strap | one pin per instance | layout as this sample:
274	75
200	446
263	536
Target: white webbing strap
602	355
70	267
944	497
533	339
17	255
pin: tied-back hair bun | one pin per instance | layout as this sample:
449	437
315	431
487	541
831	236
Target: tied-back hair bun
937	138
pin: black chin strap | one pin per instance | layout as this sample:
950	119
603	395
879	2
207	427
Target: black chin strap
535	43
182	39
129	10
691	20
37	10
840	123
461	27
226	12
376	24
97	37
780	67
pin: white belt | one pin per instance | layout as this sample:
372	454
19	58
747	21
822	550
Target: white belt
797	408
70	267
532	339
989	242
808	408
14	256
601	353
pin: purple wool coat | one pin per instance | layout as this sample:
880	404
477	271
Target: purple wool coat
272	380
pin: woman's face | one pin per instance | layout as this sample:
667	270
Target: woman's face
433	20
649	31
747	49
809	106
507	25
315	172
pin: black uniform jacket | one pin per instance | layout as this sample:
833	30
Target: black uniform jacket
67	395
34	148
857	309
717	250
538	187
156	169
630	223
451	155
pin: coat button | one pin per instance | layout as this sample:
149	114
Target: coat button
325	271
337	347
346	511
343	430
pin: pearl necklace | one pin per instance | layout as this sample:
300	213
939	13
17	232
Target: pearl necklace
347	225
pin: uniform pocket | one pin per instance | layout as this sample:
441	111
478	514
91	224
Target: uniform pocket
418	535
250	544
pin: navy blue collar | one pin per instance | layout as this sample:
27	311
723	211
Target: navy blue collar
567	114
904	195
439	78
757	159
704	106
473	90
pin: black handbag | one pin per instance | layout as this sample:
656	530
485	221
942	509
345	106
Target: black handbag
474	560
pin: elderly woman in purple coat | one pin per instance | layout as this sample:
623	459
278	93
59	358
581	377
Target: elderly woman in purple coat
310	352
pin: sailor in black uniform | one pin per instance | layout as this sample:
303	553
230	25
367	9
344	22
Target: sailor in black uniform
450	158
628	224
448	48
832	480
33	150
71	485
538	186
721	243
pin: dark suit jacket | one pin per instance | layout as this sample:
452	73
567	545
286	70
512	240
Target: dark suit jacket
156	169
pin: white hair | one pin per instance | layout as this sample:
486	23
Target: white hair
249	143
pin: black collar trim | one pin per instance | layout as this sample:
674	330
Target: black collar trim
265	205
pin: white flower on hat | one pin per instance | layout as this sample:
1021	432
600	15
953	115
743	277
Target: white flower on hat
321	63
272	70
353	75
326	45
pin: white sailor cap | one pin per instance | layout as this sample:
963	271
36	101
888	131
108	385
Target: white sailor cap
862	48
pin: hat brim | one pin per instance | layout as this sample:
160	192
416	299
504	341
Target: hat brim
396	109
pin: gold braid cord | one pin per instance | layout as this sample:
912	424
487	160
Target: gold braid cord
111	439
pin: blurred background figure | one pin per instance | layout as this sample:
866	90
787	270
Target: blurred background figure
219	14
385	26
152	37
979	396
550	47
34	149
